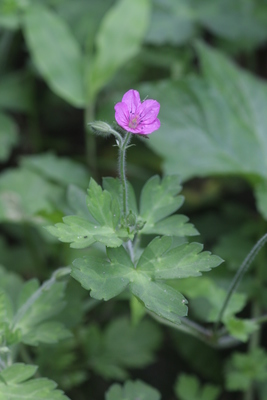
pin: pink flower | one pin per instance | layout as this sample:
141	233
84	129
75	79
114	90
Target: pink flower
137	117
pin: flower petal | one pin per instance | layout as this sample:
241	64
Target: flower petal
122	115
132	99
146	129
148	111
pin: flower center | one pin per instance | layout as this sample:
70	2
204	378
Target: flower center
133	122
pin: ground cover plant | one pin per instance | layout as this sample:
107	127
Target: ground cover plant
133	199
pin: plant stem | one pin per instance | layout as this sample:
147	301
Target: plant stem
122	170
198	331
90	140
238	277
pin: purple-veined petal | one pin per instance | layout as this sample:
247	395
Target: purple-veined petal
132	100
122	114
146	129
148	111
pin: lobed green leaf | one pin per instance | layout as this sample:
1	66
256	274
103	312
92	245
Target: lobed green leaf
159	199
105	279
15	384
161	261
188	387
111	357
101	223
132	391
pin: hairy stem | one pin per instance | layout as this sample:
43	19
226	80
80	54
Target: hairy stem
238	277
122	170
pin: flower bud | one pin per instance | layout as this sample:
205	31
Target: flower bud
100	128
131	219
140	225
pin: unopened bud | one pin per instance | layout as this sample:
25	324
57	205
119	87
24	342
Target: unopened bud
100	128
131	219
140	224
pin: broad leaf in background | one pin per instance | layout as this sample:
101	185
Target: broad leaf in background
245	369
24	193
172	22
55	52
241	22
83	17
16	92
213	125
102	226
16	384
120	347
30	312
205	289
61	363
132	390
8	136
188	388
119	39
9	15
60	170
158	200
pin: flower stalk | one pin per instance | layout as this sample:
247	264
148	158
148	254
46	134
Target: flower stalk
122	171
238	277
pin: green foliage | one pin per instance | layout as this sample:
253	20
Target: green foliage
178	22
206	289
18	187
118	26
17	92
188	388
244	369
8	136
60	170
103	226
132	390
241	328
107	279
162	261
59	61
159	200
64	63
121	346
61	363
206	119
15	383
30	316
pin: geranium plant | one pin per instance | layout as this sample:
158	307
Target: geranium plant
105	289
